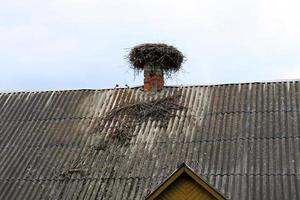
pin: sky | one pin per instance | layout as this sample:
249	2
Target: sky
72	44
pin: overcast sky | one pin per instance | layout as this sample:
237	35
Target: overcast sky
67	44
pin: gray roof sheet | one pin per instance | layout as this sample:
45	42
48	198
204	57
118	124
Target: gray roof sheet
243	139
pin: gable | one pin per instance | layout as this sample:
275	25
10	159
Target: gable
185	184
185	188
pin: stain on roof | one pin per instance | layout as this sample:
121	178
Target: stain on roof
243	139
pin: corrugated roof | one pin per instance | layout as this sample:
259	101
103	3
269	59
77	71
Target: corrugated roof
243	139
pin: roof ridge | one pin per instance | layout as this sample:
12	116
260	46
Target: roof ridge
167	86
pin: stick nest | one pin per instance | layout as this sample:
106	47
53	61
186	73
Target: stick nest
127	117
159	55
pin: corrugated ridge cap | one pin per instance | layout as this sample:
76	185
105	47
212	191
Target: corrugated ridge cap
167	86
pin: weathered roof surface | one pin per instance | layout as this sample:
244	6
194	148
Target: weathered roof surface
243	139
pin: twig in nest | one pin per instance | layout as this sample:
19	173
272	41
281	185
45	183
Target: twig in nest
127	117
79	170
67	174
156	55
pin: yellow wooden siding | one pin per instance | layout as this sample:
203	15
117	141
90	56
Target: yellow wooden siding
185	188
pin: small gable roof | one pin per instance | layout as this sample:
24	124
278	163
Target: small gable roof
184	169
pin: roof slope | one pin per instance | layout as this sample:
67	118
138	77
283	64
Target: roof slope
243	140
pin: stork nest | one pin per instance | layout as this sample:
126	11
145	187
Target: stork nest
127	117
166	57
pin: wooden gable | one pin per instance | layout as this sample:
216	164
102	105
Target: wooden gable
184	184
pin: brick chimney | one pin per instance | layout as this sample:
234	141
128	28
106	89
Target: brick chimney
156	59
153	79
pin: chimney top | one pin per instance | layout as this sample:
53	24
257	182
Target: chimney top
156	59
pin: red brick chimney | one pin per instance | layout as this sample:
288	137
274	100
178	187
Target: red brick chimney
153	79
